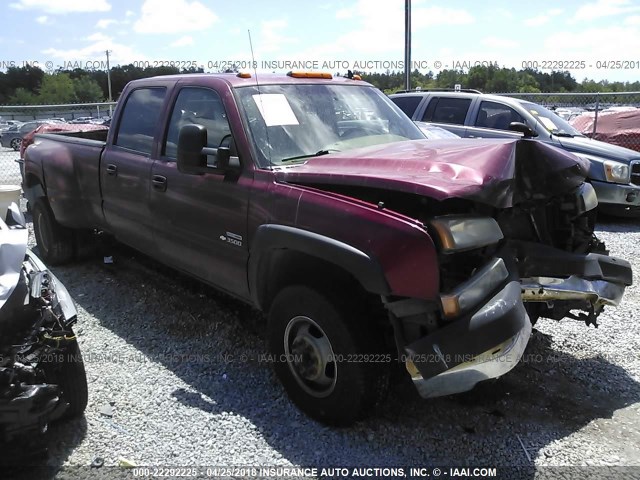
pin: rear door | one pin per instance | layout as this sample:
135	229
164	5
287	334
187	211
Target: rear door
448	112
125	169
200	221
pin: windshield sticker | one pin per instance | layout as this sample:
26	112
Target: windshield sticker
548	124
275	109
534	112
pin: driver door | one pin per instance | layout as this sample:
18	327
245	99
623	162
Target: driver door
200	221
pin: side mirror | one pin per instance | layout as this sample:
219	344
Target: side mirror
522	128
191	140
193	152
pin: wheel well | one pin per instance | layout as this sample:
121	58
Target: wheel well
289	267
285	267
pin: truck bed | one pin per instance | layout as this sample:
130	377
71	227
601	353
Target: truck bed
69	163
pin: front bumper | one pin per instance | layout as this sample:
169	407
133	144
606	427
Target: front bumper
580	281
548	289
617	194
484	345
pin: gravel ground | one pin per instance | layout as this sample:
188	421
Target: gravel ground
175	379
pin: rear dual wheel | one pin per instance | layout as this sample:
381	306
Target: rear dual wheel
58	244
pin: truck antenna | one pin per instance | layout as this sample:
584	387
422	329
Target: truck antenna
255	72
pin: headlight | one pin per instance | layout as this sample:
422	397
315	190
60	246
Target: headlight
616	172
470	293
587	198
459	232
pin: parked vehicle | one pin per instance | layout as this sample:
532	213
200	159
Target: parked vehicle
42	376
362	243
614	171
8	124
12	138
81	120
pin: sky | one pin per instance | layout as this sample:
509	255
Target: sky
598	39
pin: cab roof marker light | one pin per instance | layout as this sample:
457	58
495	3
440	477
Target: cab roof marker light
299	74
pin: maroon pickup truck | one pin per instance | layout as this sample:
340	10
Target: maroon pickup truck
318	201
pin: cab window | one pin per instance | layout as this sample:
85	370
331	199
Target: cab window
140	117
199	106
496	115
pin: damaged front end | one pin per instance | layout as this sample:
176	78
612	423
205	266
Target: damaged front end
513	222
479	327
42	376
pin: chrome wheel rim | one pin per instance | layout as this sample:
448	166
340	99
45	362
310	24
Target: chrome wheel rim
310	357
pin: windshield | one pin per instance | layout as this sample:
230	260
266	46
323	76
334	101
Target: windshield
289	123
550	121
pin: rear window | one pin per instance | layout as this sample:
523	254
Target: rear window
408	104
447	110
140	119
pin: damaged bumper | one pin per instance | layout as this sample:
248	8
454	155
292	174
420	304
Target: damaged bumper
480	346
597	292
561	281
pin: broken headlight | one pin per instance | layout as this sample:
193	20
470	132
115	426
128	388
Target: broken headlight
458	233
470	293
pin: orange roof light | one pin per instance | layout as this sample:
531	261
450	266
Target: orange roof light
244	75
356	77
310	75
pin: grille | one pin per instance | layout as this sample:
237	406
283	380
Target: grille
635	172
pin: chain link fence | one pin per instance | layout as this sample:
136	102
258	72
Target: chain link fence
18	120
612	117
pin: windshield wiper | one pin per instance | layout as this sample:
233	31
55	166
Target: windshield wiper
309	155
562	134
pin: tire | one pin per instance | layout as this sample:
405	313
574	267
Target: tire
303	321
15	143
69	374
55	242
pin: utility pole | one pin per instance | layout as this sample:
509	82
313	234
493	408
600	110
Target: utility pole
109	83
407	44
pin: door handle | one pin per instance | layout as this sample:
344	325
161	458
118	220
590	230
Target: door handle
112	169
159	183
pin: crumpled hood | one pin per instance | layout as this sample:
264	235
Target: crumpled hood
497	172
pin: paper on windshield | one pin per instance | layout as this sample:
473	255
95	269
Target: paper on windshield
549	125
275	109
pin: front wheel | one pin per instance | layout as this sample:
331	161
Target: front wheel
330	360
15	144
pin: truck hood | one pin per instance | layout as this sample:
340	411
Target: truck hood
597	148
497	172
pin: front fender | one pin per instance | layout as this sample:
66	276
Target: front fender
269	237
